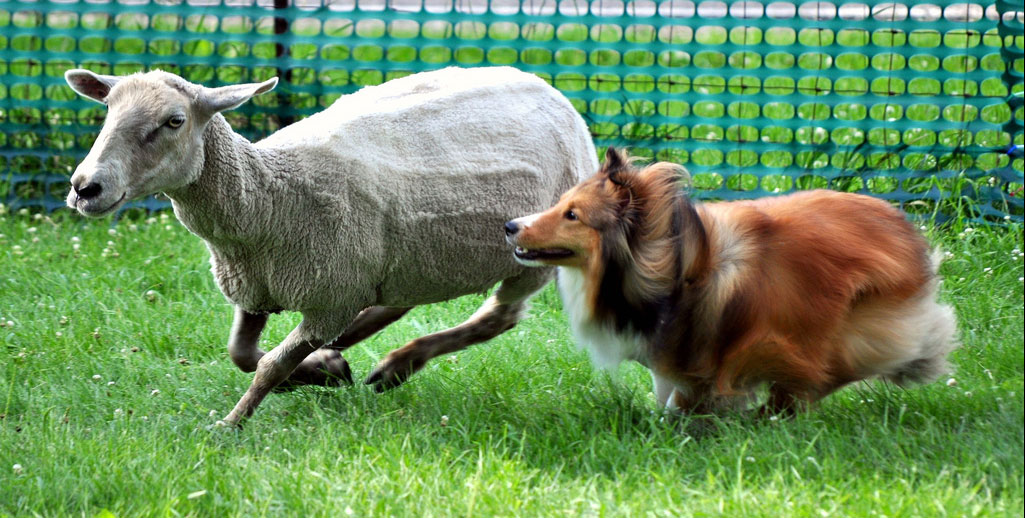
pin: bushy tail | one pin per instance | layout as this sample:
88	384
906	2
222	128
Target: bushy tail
938	327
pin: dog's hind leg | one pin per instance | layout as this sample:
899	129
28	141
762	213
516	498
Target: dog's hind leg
499	313
663	390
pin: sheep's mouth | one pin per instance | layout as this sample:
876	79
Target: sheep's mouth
102	212
542	254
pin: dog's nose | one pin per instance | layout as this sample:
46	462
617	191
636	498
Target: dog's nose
511	228
91	190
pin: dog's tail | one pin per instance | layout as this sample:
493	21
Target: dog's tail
936	326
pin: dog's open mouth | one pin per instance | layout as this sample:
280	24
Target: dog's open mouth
542	253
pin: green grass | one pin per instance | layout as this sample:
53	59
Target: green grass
113	368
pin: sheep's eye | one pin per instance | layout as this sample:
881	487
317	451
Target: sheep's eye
570	215
176	121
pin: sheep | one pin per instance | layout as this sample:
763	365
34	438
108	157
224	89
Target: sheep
392	197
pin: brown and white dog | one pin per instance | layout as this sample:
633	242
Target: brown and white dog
804	293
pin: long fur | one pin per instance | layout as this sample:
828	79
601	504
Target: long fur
805	292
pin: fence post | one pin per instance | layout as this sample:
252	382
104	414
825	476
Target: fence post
281	28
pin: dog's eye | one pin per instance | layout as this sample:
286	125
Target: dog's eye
570	215
176	121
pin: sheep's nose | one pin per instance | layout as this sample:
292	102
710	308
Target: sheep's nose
91	190
511	228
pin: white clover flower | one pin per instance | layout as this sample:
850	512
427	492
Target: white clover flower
154	392
97	377
31	230
951	382
212	413
112	231
444	420
75	239
17	468
118	412
151	295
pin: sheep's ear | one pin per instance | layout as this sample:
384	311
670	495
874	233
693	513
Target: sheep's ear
89	84
215	100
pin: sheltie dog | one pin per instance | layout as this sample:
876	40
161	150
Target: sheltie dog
803	293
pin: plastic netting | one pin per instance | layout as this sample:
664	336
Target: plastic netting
919	103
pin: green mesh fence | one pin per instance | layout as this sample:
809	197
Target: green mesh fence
919	103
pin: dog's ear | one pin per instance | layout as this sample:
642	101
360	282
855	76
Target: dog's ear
616	165
616	169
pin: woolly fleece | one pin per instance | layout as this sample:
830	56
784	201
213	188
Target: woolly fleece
394	196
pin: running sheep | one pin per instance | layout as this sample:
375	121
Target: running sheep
392	197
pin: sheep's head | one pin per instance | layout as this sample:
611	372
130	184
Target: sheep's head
152	138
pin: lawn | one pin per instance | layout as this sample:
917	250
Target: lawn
113	369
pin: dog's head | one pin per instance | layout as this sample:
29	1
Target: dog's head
602	213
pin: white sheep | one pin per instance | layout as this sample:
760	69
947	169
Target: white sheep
394	196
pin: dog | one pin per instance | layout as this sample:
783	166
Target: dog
802	293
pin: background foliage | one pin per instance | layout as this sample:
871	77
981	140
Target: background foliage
914	102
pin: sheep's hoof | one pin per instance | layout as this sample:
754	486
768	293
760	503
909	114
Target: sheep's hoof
392	372
324	367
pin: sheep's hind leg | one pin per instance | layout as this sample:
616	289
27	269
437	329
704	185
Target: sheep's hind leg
498	314
368	322
321	367
326	366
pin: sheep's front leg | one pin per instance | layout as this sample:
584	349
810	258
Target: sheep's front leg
323	367
275	367
243	345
